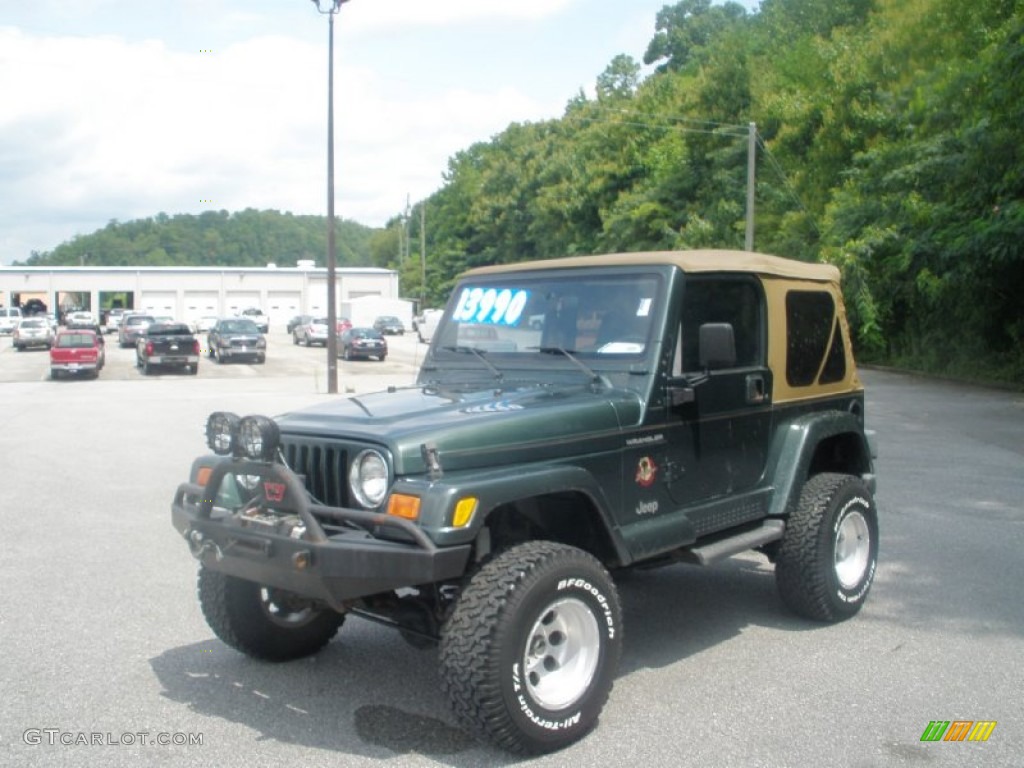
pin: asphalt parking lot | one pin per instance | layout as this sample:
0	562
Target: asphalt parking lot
284	360
101	633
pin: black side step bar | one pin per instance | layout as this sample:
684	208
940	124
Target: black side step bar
712	552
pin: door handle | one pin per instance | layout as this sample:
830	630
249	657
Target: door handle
756	390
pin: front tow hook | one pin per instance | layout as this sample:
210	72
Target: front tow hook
199	546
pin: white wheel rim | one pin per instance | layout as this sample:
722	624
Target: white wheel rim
561	654
853	549
282	614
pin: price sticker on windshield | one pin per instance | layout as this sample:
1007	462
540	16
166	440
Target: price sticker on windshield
490	306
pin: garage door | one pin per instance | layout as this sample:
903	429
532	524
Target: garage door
200	304
282	306
160	303
236	301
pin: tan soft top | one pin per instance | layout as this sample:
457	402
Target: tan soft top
688	261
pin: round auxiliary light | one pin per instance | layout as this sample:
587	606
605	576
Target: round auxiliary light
368	478
221	432
258	438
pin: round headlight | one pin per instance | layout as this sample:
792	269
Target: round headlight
258	438
221	431
368	478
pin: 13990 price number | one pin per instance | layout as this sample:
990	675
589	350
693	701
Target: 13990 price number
491	306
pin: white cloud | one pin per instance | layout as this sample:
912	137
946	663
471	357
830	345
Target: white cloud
436	13
127	129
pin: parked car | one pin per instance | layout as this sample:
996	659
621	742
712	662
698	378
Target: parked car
9	319
297	321
256	315
33	307
167	345
486	514
313	331
205	323
32	332
236	337
427	324
362	342
113	320
76	351
132	327
79	319
389	324
484	338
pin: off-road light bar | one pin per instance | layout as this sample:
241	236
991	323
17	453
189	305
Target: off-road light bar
258	438
222	432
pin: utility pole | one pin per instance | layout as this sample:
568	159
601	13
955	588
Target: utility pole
405	222
751	167
332	258
423	255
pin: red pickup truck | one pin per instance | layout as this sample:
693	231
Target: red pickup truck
75	352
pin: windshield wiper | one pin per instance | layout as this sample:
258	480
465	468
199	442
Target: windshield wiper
595	378
479	356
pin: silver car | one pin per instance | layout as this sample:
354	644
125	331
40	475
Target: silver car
32	332
311	332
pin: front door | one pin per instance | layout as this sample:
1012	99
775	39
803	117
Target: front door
717	443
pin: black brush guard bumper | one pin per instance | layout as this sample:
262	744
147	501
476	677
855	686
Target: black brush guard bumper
338	567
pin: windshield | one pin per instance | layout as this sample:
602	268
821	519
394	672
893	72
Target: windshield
239	326
598	317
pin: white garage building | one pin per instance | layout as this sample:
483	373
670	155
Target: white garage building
188	293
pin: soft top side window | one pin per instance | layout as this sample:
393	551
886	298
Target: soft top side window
814	341
736	301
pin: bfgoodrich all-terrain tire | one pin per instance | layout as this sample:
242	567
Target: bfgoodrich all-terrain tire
261	622
530	651
828	555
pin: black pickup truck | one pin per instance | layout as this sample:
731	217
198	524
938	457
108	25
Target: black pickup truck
167	345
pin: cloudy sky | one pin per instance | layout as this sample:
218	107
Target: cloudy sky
111	109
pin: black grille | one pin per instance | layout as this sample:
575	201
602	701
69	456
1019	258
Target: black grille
324	469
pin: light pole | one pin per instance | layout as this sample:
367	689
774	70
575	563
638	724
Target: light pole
332	8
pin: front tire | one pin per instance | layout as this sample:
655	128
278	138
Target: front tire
263	622
829	553
529	654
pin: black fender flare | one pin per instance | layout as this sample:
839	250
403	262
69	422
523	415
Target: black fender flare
794	449
494	488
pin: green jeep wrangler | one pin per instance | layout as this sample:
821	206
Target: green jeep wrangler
572	418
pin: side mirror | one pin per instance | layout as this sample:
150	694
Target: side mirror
717	346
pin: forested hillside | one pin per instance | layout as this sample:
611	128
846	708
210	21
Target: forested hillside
890	144
248	238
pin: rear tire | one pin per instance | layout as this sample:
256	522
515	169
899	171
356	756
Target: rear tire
262	622
529	654
829	553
